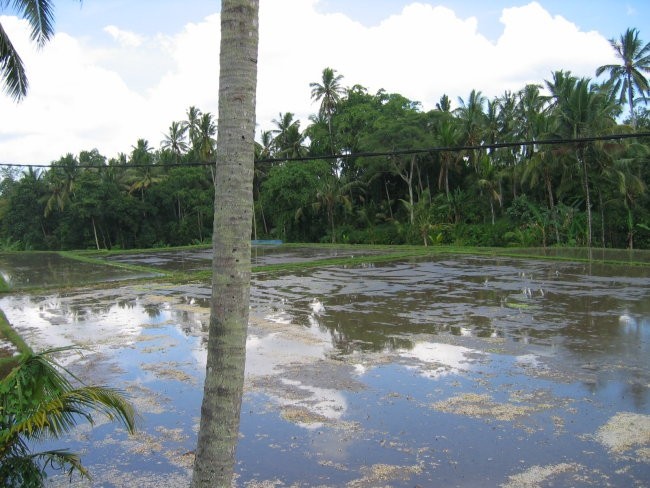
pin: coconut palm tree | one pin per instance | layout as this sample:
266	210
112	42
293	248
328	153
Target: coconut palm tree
444	104
204	142
489	182
328	92
334	192
581	110
40	17
288	140
231	246
449	135
141	172
174	140
634	59
191	124
40	399
264	149
61	182
630	186
473	119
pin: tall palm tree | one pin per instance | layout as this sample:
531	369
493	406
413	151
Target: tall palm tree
328	92
142	173
191	124
40	17
204	142
175	140
634	59
332	193
61	180
448	135
288	140
40	399
473	118
581	110
231	246
264	149
629	188
444	104
489	181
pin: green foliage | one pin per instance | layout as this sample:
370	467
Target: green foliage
482	234
560	194
288	195
39	401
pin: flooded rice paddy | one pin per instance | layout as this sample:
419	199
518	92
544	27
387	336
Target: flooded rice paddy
447	371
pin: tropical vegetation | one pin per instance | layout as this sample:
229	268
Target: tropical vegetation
41	400
375	168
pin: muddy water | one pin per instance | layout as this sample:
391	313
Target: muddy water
193	260
43	269
447	372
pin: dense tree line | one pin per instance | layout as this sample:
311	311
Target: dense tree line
569	194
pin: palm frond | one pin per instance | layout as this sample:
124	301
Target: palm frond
40	15
41	399
45	404
29	469
12	70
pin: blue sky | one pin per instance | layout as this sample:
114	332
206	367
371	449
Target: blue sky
609	17
119	70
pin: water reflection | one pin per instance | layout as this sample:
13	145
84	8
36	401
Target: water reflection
382	307
43	269
445	358
349	368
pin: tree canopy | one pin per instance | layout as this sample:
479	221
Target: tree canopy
318	180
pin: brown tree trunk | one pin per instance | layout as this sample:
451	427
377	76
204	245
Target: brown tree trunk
231	265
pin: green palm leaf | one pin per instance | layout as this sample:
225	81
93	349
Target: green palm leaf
39	400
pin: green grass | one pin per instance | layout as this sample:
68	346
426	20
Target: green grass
82	257
7	332
4	286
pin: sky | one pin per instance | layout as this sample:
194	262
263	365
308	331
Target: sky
119	70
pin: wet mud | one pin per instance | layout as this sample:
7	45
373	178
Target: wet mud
414	373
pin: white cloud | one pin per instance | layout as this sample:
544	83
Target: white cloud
86	94
124	38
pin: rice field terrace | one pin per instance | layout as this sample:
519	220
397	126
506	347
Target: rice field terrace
366	366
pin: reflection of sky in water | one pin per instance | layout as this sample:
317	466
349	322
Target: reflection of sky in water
324	402
52	322
451	358
584	354
638	328
51	269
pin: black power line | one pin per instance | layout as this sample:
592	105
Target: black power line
437	149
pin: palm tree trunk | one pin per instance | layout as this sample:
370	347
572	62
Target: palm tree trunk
492	209
329	129
254	223
630	94
409	182
602	218
390	208
551	202
447	184
585	182
266	227
630	227
231	266
199	218
95	232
